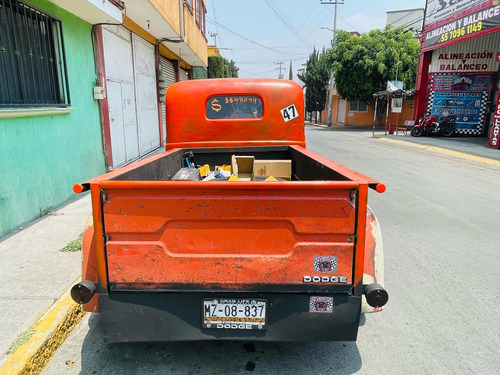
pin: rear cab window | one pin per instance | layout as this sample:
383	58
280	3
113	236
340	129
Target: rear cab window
234	106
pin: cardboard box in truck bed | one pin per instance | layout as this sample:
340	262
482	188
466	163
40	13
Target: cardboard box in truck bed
277	168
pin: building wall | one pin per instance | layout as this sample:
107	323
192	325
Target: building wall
365	118
441	32
169	9
195	39
43	156
213	51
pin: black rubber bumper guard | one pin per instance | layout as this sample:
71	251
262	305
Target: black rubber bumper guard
177	316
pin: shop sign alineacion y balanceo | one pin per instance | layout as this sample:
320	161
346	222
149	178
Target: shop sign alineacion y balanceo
482	17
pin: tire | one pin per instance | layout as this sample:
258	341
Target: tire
416	131
448	130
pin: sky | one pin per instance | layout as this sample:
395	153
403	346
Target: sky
256	34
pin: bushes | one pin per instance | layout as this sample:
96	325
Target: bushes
215	67
219	67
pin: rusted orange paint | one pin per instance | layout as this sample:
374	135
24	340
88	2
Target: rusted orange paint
193	129
244	236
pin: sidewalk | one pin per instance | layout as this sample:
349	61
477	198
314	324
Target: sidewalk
34	273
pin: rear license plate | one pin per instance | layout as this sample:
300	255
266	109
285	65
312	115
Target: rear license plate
234	313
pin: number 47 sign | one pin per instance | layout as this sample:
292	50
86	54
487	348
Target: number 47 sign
289	113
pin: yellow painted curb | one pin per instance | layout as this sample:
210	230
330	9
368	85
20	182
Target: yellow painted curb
444	150
50	332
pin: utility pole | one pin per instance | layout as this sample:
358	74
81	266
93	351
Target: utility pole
214	35
334	45
280	75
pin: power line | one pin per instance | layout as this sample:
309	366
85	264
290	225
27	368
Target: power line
354	28
247	39
314	25
333	2
287	23
256	75
263	62
215	18
406	15
310	14
306	27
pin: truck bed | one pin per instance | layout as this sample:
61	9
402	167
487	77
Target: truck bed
304	168
252	235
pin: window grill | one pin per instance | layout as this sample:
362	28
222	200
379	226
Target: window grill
358	106
32	62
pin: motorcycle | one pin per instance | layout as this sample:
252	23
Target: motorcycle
432	126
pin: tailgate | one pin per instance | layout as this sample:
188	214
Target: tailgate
242	236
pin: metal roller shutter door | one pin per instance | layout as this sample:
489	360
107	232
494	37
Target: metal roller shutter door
168	74
183	75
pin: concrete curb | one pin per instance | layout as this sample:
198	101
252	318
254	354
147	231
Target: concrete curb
49	333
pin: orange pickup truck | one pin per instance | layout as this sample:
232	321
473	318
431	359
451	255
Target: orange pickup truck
289	255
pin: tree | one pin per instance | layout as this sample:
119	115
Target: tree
233	69
315	81
215	67
363	65
220	67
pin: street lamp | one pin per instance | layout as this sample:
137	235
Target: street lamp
327	29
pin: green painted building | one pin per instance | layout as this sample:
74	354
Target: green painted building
50	133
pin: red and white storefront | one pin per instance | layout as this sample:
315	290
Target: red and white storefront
458	72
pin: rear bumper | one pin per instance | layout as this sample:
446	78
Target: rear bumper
174	316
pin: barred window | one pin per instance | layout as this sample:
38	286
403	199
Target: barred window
32	62
200	15
198	12
358	106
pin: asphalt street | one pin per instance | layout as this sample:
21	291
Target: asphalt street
439	218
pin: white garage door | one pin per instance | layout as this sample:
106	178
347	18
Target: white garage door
145	91
119	67
131	92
